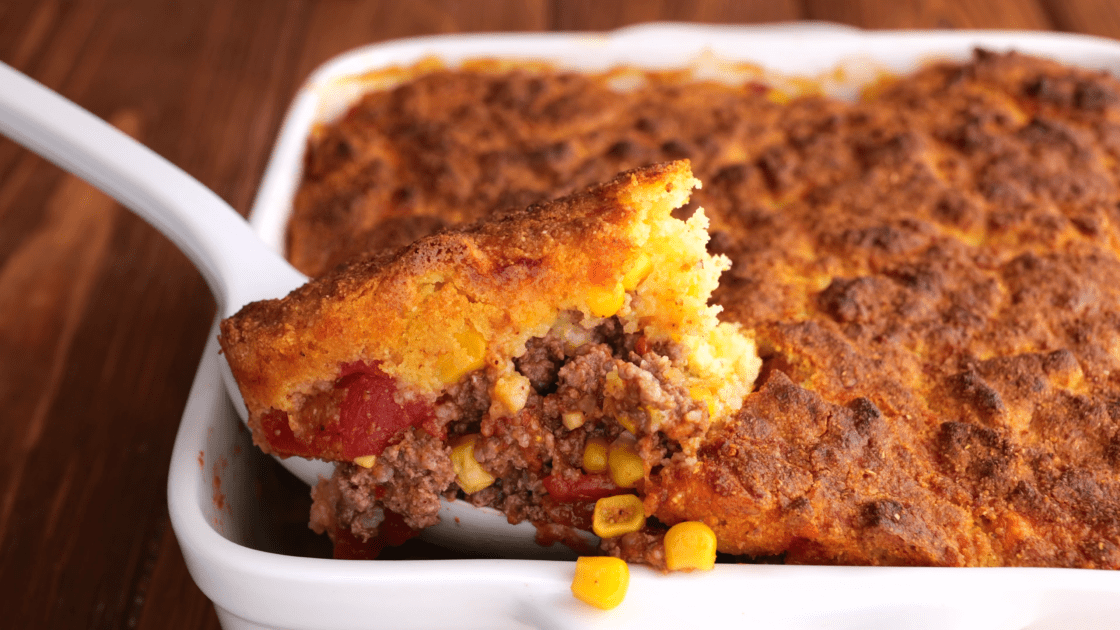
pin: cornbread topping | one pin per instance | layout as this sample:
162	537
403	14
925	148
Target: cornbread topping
931	276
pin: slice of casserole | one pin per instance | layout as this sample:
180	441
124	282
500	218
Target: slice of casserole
499	358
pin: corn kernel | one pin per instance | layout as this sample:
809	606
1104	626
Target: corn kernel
690	545
470	475
366	461
612	384
604	302
617	515
625	465
641	269
701	394
628	423
595	455
777	96
601	581
512	392
468	357
572	420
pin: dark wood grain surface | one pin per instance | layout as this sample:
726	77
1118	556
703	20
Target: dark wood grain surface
102	320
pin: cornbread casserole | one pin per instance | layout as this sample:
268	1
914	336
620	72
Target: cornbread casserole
931	275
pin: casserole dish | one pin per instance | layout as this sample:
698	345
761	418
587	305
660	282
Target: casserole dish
224	532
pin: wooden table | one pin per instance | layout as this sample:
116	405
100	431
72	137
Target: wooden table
102	320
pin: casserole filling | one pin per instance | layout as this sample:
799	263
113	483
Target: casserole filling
589	411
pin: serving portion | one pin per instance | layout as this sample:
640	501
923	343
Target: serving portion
930	275
538	362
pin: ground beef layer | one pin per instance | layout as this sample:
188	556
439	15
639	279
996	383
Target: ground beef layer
536	456
932	275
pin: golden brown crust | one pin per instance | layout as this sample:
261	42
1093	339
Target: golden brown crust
933	274
967	250
458	146
497	280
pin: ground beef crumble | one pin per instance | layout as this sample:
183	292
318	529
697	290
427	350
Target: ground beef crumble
407	478
541	362
646	546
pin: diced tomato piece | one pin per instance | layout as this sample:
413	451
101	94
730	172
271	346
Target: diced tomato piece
369	416
641	345
280	436
392	532
578	514
348	547
357	367
369	419
759	87
581	488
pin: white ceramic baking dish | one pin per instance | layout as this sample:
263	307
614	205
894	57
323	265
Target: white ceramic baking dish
227	534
